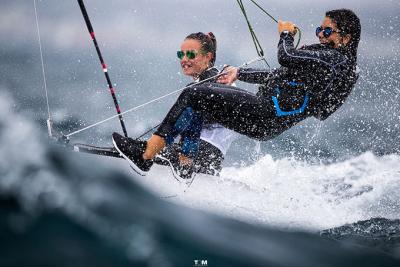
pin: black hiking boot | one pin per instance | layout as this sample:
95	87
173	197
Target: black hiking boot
132	150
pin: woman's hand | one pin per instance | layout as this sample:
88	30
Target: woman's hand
229	76
287	26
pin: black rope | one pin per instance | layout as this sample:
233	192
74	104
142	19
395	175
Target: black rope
257	44
262	9
255	40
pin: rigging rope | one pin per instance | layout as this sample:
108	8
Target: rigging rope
262	9
257	44
159	98
260	51
253	35
49	121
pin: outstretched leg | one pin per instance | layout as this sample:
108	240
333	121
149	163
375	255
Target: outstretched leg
234	108
229	106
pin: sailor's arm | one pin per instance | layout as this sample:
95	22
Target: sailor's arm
289	56
243	74
250	75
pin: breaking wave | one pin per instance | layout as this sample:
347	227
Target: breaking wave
58	205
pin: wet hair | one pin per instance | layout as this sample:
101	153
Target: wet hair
208	43
347	23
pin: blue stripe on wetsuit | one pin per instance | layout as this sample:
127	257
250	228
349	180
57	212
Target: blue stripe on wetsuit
280	112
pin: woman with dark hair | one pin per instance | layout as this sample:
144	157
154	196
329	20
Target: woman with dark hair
202	146
314	80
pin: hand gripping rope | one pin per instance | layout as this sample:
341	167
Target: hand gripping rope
257	44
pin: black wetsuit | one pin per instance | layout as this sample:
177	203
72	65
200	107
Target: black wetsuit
312	81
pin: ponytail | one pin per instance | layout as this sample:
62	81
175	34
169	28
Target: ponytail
212	38
208	44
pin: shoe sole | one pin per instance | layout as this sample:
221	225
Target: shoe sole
174	173
131	163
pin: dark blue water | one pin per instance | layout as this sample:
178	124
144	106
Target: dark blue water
68	212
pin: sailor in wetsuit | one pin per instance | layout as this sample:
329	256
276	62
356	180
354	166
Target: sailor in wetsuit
202	146
314	80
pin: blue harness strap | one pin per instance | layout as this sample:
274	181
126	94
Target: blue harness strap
279	111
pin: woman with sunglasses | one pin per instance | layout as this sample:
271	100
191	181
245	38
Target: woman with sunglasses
314	80
202	146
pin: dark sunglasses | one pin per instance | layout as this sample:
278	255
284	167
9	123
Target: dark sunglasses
190	54
325	31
